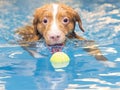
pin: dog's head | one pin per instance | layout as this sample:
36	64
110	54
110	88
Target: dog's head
55	21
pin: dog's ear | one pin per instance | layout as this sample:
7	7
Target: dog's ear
36	21
78	19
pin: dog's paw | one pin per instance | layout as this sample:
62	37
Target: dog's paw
109	64
35	54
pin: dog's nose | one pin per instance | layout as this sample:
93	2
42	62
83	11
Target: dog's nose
55	37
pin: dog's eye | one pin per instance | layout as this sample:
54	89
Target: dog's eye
45	21
65	20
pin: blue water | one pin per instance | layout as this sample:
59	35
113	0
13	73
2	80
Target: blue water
19	70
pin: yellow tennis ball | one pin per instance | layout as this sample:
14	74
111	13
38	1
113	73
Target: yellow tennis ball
59	60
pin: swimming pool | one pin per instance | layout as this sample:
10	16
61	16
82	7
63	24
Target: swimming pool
20	71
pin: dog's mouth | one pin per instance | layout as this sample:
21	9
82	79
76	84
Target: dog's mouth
56	47
60	44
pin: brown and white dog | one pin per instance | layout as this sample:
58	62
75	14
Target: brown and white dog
54	22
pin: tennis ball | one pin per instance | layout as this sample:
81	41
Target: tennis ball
59	60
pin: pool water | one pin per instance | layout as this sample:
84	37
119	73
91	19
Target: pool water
19	70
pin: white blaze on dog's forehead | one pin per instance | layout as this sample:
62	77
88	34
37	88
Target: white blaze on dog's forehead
54	28
55	10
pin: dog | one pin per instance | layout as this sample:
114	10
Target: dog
55	22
